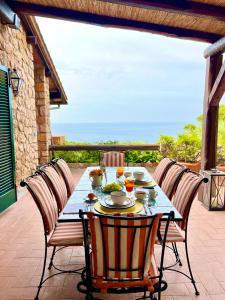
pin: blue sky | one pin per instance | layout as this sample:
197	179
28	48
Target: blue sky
115	75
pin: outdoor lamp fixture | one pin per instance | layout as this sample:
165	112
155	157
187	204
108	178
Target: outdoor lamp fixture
15	81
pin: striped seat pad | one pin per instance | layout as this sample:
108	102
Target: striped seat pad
174	234
161	169
67	234
123	247
45	201
113	159
58	185
171	179
67	175
185	193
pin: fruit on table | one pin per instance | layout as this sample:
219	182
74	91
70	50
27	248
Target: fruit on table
110	187
91	196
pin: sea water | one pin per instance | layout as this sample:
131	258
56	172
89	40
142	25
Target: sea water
97	132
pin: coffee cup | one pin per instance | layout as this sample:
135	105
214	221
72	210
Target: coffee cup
118	197
140	195
138	175
127	174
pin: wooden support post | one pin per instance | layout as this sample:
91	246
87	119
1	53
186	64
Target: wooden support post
210	115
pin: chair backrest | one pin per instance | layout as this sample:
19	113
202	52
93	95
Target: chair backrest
57	184
172	178
113	159
185	194
66	174
161	170
122	247
44	200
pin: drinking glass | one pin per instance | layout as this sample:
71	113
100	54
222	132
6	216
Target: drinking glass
119	171
129	185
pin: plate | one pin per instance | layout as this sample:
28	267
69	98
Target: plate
145	182
108	192
107	202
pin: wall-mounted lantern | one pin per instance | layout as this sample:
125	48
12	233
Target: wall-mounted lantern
15	81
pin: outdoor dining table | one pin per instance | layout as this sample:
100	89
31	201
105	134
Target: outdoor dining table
78	199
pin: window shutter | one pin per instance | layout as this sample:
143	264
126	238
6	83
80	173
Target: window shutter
7	161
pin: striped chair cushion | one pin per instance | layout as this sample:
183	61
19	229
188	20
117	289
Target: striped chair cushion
113	159
174	234
185	193
45	201
67	234
171	179
67	175
122	247
162	169
58	186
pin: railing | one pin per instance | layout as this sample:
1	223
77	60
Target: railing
103	147
116	147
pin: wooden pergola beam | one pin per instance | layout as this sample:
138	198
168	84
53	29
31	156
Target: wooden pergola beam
179	7
210	115
218	88
217	48
96	19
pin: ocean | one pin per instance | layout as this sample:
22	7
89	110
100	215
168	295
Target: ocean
97	132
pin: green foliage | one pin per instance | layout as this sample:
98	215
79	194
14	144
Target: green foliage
137	156
221	135
187	145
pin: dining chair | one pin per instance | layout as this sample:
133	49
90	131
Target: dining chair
113	159
172	178
162	169
177	231
55	234
122	258
54	179
66	173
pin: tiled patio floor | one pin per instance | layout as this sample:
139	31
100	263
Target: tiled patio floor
21	252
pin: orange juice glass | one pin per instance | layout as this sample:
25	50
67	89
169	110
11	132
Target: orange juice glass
129	185
119	171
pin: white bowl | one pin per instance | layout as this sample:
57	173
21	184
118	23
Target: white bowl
138	175
140	195
118	197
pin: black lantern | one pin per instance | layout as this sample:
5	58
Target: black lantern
16	81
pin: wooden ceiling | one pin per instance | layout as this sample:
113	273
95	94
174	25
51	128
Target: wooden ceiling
202	20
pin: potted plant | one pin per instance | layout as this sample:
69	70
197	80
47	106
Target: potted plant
96	177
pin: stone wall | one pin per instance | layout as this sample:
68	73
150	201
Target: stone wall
15	52
42	112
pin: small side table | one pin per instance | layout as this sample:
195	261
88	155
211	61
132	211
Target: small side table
214	190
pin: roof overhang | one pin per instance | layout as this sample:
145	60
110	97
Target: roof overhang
34	36
201	20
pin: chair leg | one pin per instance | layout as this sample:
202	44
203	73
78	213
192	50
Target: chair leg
43	270
189	267
174	245
51	261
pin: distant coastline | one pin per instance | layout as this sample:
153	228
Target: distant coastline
148	132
